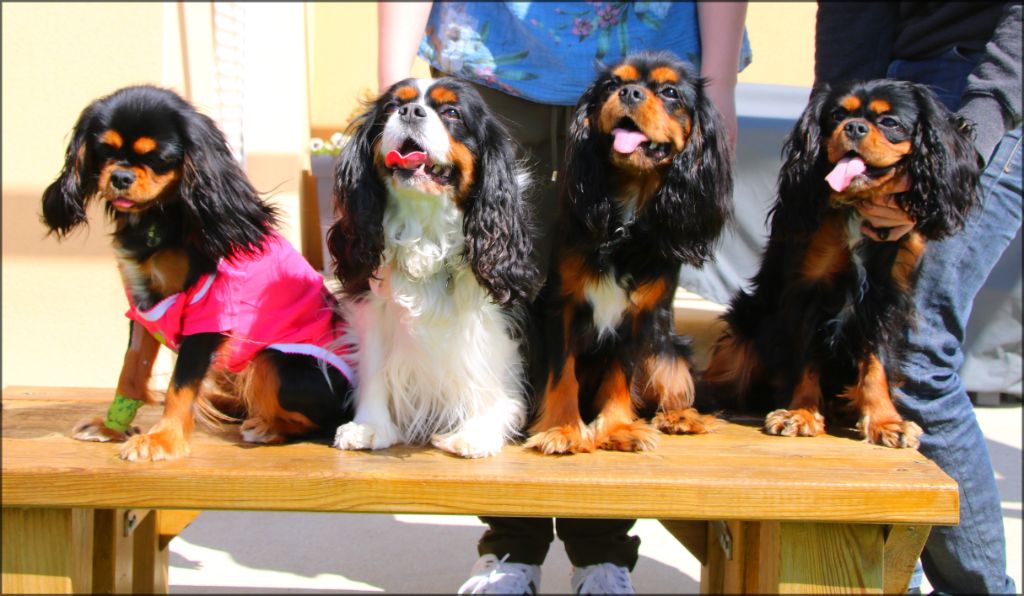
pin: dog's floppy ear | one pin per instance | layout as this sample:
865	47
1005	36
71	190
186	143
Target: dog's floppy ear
802	179
224	214
944	169
496	224
695	199
356	238
585	189
64	200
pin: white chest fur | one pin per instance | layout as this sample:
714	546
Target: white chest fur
609	301
434	347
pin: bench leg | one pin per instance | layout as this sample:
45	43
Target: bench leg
782	557
47	551
151	549
151	557
132	549
691	534
903	547
112	551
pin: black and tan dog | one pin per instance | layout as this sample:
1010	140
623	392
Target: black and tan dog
205	273
823	324
648	187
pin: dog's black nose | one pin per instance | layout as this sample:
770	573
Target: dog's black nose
410	112
631	95
122	179
855	129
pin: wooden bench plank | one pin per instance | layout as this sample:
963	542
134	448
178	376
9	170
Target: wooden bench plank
735	474
47	551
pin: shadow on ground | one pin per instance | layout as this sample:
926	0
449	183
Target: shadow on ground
377	550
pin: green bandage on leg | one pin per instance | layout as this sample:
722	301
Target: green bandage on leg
121	413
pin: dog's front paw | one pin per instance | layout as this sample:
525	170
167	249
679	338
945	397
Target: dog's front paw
469	443
685	422
94	429
353	436
632	436
568	438
258	430
895	433
794	423
158	444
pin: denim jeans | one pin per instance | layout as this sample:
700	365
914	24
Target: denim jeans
969	557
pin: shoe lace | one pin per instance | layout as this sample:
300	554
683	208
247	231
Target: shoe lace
606	578
512	578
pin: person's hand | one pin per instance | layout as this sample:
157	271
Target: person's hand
884	220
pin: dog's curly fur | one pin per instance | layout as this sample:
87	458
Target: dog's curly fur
648	187
433	248
827	312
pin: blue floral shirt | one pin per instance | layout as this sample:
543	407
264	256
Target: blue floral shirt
548	52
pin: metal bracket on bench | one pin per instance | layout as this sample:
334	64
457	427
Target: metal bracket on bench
724	537
132	517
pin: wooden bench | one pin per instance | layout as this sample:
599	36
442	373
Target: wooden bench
762	514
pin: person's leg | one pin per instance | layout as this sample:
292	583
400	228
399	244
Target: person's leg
596	541
524	539
969	557
540	131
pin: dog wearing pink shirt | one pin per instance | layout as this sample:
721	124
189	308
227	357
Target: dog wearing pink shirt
256	332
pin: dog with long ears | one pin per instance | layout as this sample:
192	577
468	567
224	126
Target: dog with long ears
821	331
256	331
433	249
648	187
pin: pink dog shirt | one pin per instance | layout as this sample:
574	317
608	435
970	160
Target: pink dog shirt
273	300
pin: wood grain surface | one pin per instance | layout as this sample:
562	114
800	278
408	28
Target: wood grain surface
737	473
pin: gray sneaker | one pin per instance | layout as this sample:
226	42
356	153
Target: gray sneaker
604	578
491	575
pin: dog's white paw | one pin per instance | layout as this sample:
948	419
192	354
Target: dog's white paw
353	435
257	430
93	429
469	443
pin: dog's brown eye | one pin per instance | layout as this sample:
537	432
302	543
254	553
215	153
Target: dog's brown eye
838	114
390	107
451	113
888	122
670	93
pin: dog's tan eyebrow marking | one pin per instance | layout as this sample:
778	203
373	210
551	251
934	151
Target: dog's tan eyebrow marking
407	93
626	72
112	138
444	95
664	74
144	145
850	103
879	106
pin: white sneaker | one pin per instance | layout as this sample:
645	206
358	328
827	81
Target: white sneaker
491	575
605	578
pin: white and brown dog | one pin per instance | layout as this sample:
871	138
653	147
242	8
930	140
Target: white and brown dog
433	250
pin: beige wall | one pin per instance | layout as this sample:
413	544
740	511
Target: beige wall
782	39
63	306
62	303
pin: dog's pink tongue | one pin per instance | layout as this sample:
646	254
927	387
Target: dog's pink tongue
845	171
409	161
626	141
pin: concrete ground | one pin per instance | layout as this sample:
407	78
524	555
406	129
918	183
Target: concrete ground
233	552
